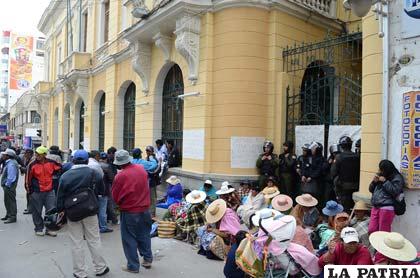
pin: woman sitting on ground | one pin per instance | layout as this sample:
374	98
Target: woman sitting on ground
306	211
228	194
210	191
194	218
360	221
222	225
254	202
178	210
269	192
173	193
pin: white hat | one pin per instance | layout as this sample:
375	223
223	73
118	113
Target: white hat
224	189
173	180
265	215
393	246
208	182
9	152
349	234
122	157
195	197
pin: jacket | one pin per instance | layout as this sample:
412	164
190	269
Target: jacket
130	189
287	165
79	176
108	177
384	194
10	173
345	170
174	158
40	175
267	167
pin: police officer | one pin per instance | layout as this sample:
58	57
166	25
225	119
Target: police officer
303	165
267	163
345	172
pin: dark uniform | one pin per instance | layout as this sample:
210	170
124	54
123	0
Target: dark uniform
267	164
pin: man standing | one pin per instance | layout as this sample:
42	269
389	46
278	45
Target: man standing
345	172
39	184
28	158
80	177
108	178
174	157
131	193
161	150
8	182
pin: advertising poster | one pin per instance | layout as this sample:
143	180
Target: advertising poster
410	19
27	142
410	145
20	72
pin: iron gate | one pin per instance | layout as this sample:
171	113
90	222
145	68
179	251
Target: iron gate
330	85
173	107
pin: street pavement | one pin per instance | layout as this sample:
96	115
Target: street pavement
22	254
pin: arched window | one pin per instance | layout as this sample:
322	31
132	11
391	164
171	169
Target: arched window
66	126
101	123
173	107
129	117
81	125
55	131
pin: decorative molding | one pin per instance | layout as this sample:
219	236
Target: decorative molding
164	43
188	42
142	62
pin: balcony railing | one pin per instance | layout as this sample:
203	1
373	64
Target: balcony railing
76	61
324	7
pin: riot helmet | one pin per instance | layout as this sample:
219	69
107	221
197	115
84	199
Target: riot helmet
345	142
268	145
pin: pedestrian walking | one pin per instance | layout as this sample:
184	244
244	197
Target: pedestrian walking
80	181
39	183
131	193
9	182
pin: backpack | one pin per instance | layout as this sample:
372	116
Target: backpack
399	204
83	202
247	259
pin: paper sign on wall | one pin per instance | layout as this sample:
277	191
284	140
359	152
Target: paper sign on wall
410	145
244	151
305	134
193	144
337	131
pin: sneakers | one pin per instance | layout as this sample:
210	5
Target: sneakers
39	233
106	231
146	264
26	211
105	271
10	220
51	233
4	218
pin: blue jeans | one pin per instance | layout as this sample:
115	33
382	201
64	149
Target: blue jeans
103	203
135	236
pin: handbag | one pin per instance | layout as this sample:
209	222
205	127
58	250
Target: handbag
399	204
218	247
166	229
82	203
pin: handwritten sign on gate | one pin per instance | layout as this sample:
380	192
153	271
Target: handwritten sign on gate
410	144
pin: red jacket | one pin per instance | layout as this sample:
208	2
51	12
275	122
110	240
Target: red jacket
130	189
339	257
40	175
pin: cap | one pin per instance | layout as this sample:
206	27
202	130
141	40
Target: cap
349	234
208	182
136	151
103	155
41	150
81	155
9	152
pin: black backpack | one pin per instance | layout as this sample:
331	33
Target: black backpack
399	204
82	203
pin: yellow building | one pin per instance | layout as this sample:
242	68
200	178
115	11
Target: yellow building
218	77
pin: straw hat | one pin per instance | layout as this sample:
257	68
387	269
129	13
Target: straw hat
224	189
393	246
360	205
215	211
270	192
173	180
195	197
265	215
282	202
306	200
332	208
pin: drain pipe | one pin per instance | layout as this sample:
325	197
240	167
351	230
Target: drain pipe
384	33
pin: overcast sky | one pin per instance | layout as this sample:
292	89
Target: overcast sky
22	16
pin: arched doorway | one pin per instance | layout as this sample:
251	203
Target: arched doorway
66	126
55	131
81	125
101	132
173	107
129	117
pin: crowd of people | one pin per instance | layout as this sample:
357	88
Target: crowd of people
298	216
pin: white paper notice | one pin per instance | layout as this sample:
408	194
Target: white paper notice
337	131
244	151
306	134
193	144
86	144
